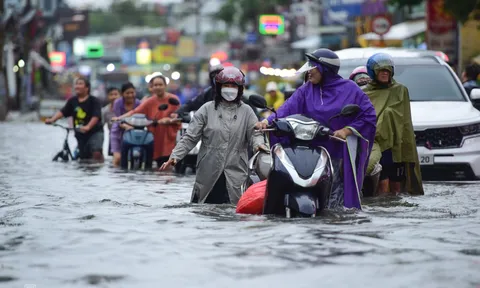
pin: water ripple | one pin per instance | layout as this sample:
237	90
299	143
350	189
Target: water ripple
81	224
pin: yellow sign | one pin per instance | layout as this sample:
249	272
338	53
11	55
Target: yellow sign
470	35
165	54
186	47
144	56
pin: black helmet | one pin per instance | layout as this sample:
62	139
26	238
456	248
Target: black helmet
323	56
214	70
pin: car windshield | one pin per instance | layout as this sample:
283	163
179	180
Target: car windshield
424	83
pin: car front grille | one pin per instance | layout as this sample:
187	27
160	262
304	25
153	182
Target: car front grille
439	138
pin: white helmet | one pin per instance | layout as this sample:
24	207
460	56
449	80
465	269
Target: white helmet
271	86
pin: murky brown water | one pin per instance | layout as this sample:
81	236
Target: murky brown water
71	225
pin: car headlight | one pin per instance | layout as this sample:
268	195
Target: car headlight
304	132
470	129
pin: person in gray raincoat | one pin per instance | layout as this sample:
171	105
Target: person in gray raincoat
225	126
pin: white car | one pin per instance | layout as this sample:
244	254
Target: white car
447	126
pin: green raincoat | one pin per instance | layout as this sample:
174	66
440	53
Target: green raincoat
395	131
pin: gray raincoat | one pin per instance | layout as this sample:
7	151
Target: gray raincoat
225	134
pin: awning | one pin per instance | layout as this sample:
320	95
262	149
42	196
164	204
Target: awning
316	41
307	43
400	31
477	59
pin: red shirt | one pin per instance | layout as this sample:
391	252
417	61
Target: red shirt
164	135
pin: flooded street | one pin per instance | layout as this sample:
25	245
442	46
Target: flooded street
76	225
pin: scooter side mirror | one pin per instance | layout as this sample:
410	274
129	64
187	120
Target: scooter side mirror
350	110
257	101
173	101
288	94
163	107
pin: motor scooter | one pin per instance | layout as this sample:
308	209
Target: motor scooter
190	161
137	143
299	175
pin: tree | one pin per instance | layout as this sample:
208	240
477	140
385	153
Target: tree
460	9
124	13
247	11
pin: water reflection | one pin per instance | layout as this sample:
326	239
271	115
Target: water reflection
79	224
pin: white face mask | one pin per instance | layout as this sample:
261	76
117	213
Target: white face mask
229	93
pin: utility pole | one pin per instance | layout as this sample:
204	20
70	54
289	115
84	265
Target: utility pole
198	21
3	100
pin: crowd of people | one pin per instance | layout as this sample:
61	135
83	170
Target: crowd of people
228	127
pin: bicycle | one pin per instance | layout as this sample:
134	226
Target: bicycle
66	153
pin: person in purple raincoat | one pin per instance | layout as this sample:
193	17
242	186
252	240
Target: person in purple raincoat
321	97
122	105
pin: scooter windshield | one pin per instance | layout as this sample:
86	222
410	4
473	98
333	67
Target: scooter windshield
138	121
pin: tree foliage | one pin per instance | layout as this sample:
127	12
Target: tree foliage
244	12
124	13
460	9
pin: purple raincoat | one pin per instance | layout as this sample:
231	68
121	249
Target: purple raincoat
116	132
322	101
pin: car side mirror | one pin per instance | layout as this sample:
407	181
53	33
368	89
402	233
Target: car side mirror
475	94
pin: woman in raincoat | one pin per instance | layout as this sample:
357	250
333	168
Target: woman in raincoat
395	136
322	97
360	76
225	126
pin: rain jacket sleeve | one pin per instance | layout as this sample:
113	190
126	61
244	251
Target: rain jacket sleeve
294	105
192	135
364	123
255	138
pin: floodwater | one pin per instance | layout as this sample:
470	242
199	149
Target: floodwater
78	225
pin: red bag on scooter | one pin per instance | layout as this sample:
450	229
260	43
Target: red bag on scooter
251	201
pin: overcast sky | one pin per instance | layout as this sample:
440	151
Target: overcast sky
105	3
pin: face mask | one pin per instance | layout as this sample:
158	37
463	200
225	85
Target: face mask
229	93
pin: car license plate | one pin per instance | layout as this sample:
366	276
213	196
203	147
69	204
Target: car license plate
425	159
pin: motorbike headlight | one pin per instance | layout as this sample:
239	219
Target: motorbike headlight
304	132
470	129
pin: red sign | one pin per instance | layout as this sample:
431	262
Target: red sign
441	34
57	58
381	24
438	21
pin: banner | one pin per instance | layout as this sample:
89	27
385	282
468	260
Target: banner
338	12
185	47
442	32
165	54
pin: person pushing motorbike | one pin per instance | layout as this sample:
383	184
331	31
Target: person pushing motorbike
321	98
86	111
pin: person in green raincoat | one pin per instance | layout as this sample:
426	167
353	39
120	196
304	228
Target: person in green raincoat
394	145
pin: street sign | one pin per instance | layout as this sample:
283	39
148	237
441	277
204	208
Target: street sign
381	25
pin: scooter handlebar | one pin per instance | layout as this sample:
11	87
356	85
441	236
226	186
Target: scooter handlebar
337	138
